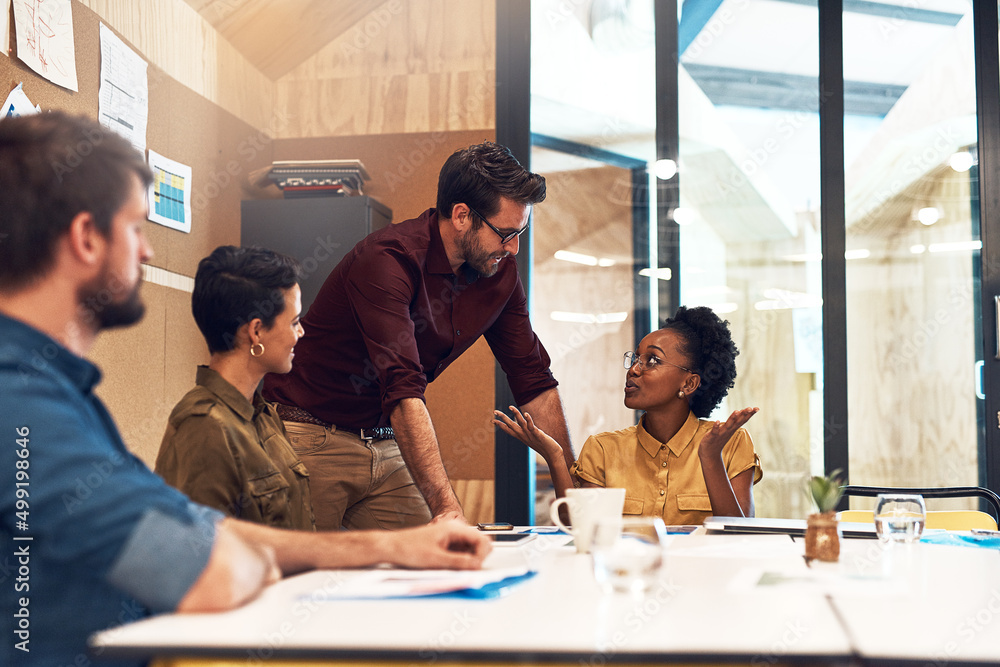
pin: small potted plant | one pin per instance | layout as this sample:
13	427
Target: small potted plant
822	540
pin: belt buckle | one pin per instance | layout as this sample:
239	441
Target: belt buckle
376	433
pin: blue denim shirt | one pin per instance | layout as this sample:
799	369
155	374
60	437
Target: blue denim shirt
91	537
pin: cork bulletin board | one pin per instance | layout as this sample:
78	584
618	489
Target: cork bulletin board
147	368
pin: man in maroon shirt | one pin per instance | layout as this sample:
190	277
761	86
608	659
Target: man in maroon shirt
399	308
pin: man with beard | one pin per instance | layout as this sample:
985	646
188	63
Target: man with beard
399	308
94	537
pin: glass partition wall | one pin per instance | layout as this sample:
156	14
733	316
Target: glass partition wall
914	355
592	122
750	230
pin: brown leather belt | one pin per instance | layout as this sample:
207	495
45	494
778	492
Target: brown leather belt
291	413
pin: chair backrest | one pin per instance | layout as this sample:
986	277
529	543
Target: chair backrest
931	492
946	519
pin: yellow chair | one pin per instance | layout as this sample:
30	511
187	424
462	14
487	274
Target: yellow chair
946	519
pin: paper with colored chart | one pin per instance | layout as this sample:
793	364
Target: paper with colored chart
170	193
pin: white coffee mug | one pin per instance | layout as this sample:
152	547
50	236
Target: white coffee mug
586	506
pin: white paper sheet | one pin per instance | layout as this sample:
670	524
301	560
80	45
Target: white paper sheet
17	104
123	100
375	584
45	39
170	193
5	27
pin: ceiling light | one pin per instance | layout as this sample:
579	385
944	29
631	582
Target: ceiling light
660	274
781	299
588	318
955	246
684	216
804	257
860	253
928	215
961	161
698	292
665	169
918	248
580	258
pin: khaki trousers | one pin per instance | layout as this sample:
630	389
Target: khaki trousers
355	483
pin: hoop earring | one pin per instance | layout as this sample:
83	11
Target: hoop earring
261	345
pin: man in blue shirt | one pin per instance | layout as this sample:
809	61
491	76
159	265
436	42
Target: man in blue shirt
92	538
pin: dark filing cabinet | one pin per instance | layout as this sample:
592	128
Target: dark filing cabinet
317	231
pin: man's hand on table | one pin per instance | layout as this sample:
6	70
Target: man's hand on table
443	544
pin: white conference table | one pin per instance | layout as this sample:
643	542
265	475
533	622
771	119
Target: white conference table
720	598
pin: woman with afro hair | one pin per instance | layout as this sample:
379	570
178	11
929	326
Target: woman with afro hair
674	463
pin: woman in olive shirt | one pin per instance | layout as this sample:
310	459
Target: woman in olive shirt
674	463
225	446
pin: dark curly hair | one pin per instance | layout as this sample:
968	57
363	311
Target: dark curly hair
711	352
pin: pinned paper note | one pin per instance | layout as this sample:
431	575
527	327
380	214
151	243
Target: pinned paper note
170	193
17	104
123	100
5	27
45	39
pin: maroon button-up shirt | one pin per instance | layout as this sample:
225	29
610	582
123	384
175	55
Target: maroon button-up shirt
392	316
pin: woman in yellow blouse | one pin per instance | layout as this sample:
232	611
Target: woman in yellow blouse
673	463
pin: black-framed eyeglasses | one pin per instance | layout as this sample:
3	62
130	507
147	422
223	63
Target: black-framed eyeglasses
504	238
648	361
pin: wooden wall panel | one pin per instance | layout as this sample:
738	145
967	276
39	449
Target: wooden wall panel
278	36
407	67
175	38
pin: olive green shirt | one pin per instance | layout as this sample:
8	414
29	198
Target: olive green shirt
224	452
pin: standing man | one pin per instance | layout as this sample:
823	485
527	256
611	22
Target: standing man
95	538
399	308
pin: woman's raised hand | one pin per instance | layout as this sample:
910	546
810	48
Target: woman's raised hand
523	428
716	439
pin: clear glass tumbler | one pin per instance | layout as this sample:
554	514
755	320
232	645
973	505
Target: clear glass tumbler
900	517
628	553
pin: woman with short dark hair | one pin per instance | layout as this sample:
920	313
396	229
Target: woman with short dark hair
225	446
674	463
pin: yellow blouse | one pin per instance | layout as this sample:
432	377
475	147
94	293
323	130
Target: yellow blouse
662	479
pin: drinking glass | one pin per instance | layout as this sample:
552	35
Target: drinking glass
627	553
899	517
